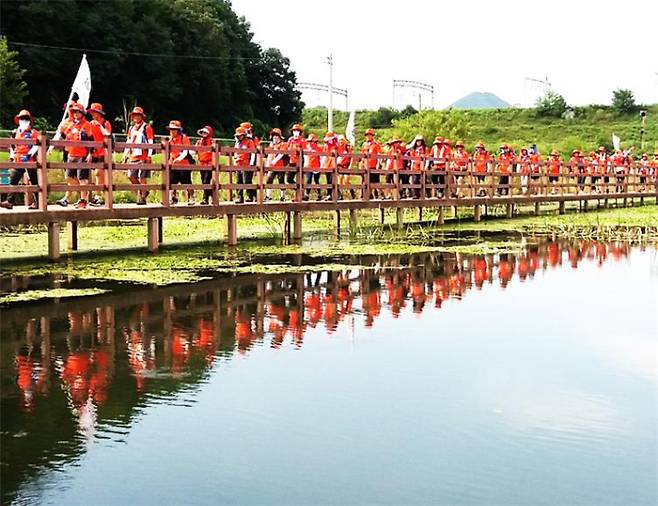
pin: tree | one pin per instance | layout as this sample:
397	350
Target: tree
623	102
191	60
12	87
552	104
451	124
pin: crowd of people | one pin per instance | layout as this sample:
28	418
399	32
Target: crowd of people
441	166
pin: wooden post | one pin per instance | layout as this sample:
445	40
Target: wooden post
109	172
381	215
585	205
297	225
216	156
231	230
160	229
152	234
72	236
477	210
337	227
510	210
53	241
561	207
537	206
399	218
43	174
353	220
165	175
286	227
420	214
441	219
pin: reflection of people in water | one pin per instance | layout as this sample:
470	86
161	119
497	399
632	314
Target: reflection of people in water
284	309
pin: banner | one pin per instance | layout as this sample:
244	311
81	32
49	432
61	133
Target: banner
351	127
82	83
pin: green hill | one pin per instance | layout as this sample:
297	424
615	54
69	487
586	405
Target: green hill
479	100
592	126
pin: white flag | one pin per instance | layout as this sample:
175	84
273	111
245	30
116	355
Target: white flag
616	142
349	130
82	83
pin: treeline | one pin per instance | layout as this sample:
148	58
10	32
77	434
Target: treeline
192	60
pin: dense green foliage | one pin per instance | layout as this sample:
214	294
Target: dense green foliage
12	86
228	79
623	102
592	126
552	104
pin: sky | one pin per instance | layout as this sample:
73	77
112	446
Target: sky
587	49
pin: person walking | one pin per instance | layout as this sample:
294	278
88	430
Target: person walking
246	159
139	132
101	129
371	149
23	153
179	154
312	161
276	161
205	159
77	130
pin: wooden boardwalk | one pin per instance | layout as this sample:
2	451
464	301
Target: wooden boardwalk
350	187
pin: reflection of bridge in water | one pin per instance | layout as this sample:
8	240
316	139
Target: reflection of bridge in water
78	369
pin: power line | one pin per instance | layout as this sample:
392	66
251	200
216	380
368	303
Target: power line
130	53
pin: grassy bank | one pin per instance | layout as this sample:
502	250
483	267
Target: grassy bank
591	127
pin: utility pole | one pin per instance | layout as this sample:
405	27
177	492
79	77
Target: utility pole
330	111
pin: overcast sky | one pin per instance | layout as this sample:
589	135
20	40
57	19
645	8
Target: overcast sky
587	49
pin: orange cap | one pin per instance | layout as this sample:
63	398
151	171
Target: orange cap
174	124
22	114
312	138
96	107
246	125
240	131
370	131
276	131
297	127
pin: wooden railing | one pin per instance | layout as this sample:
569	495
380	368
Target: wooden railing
348	180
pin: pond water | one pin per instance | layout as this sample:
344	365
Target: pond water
422	379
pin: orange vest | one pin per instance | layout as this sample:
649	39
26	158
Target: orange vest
371	148
295	145
22	150
481	159
80	131
205	157
177	146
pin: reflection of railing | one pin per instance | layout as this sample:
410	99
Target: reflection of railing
152	343
351	181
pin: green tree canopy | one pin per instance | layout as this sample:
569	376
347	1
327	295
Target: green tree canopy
552	104
192	60
12	87
623	101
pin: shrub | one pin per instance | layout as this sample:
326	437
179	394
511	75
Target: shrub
623	102
552	104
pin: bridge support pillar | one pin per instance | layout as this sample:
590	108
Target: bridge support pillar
399	218
337	223
72	236
561	207
510	210
286	227
477	213
381	215
585	205
160	229
537	206
441	219
420	214
231	229
152	234
353	221
625	202
53	241
297	225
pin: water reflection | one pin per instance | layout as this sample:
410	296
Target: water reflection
75	372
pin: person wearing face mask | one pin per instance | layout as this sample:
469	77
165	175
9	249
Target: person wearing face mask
205	159
296	144
23	153
79	129
276	161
